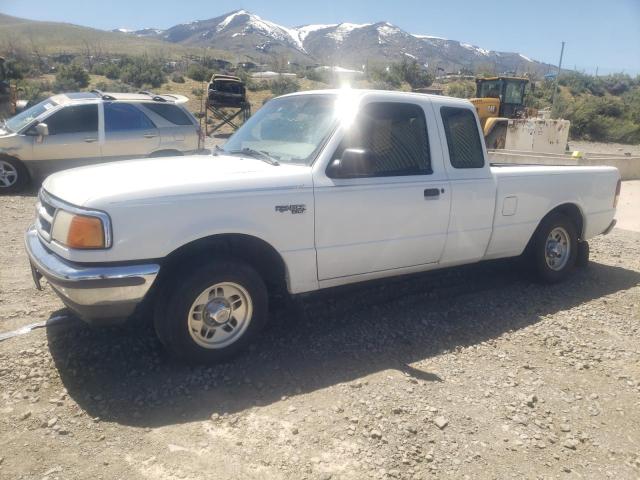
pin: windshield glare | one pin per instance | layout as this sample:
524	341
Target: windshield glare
289	129
24	118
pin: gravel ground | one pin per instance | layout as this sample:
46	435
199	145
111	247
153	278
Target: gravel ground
470	373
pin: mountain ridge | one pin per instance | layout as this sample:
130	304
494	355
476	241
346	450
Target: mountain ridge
347	44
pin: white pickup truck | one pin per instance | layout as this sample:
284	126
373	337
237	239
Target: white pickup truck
316	190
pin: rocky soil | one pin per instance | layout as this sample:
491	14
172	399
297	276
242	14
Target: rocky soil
472	373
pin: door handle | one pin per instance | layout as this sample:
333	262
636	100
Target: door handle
150	135
432	192
90	140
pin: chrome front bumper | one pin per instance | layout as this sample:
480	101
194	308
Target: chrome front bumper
97	294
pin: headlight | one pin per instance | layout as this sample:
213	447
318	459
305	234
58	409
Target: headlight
78	231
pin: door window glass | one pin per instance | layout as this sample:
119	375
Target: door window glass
74	119
463	139
123	116
394	137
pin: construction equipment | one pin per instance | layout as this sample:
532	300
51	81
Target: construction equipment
507	123
227	102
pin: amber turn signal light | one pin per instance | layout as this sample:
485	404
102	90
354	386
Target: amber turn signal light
85	232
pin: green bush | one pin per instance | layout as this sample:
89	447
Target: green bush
461	89
142	71
177	78
115	86
413	73
283	85
317	75
257	85
198	73
109	70
70	78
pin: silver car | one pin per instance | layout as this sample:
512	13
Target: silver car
75	129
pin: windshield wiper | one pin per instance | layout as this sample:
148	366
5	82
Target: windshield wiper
259	154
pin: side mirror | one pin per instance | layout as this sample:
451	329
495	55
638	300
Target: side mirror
42	129
354	163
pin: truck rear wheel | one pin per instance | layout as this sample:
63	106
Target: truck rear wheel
554	248
213	313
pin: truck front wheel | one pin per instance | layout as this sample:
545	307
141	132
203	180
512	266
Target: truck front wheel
213	313
555	248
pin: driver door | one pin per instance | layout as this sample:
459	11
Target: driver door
395	214
72	140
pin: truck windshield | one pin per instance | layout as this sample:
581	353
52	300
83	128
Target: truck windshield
288	129
18	122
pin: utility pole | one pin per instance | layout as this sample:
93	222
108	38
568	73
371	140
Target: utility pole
555	90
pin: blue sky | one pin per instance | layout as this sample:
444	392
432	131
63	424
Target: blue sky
604	34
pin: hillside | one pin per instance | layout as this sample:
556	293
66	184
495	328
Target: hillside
56	37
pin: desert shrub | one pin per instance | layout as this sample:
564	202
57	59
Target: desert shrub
71	77
198	92
34	91
283	85
387	77
177	78
142	71
382	85
198	73
411	72
461	89
115	86
317	75
257	85
109	70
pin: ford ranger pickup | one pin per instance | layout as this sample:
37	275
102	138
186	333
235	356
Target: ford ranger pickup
316	190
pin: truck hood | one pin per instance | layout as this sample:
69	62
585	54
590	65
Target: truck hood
98	186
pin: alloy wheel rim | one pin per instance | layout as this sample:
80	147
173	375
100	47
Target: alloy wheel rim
8	174
557	249
220	315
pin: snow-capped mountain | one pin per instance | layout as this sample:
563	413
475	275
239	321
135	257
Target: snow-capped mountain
346	44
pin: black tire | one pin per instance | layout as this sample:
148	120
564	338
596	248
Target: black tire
19	183
544	272
175	299
582	260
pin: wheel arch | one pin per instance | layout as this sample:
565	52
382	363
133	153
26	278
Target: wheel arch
256	252
571	210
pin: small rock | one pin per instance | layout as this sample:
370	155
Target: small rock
532	400
571	443
215	417
25	415
294	430
441	422
376	434
565	427
52	422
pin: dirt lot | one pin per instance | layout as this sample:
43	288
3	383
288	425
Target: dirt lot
471	373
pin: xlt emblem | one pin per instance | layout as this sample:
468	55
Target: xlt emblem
294	209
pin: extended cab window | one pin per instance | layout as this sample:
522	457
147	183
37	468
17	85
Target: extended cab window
463	139
74	119
123	116
394	137
169	112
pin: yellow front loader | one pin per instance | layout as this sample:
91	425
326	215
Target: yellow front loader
508	124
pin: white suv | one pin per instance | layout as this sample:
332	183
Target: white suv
75	129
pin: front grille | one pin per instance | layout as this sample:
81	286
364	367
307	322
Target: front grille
44	217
